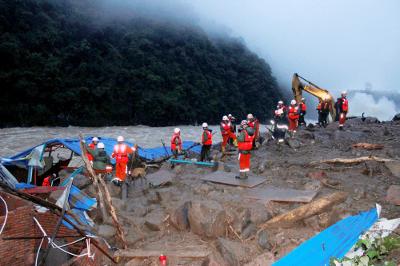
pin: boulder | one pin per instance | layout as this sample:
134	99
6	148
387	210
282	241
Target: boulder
359	193
179	217
393	194
106	230
263	239
248	231
232	252
138	172
293	143
215	259
207	218
153	197
81	181
118	204
155	220
265	259
259	214
394	168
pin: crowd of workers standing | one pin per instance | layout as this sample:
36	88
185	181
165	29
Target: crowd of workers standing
245	138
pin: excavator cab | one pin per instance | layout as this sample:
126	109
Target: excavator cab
298	87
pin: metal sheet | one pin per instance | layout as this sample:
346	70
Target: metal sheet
282	194
229	179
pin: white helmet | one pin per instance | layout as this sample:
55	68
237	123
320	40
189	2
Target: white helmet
204	125
120	139
225	118
230	115
177	130
303	99
250	116
95	139
100	145
344	93
293	102
243	123
280	102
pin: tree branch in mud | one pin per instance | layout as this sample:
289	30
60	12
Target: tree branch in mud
353	160
101	187
287	219
368	146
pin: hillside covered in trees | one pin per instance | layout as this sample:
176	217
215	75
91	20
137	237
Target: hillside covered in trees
62	63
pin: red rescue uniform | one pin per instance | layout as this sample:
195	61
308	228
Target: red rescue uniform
47	182
176	142
343	111
121	153
206	137
226	132
244	151
255	124
91	146
293	117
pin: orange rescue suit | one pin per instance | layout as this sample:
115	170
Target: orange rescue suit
244	151
343	111
208	140
293	116
93	147
226	132
121	153
176	142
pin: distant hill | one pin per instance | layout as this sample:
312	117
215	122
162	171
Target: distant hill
63	64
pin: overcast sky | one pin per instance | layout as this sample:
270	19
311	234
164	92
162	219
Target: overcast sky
338	44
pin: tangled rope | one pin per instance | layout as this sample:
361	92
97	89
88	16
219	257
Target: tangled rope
5	219
60	247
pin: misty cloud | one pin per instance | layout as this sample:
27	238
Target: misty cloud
382	108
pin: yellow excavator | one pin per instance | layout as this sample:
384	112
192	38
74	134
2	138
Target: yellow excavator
298	87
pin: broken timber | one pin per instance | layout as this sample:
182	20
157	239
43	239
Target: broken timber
101	185
184	252
353	160
368	146
318	206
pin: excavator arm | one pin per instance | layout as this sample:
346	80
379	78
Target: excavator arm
298	87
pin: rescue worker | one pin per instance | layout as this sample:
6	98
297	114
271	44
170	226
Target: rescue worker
337	108
255	125
226	132
176	143
319	112
232	119
121	154
344	108
206	142
293	117
100	157
280	113
92	146
303	111
47	180
325	108
245	145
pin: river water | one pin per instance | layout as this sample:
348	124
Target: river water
14	140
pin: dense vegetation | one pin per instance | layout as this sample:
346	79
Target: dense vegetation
64	65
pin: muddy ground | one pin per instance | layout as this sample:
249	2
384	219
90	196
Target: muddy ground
219	221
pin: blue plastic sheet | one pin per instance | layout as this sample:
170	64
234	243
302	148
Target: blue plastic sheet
73	145
335	241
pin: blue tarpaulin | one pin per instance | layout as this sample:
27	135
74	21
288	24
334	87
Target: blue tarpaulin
73	145
335	241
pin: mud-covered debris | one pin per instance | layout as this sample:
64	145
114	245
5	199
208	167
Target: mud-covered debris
394	167
207	218
231	251
155	220
179	217
265	259
393	194
106	230
294	143
154	197
263	239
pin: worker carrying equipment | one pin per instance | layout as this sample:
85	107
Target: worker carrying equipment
100	157
254	124
226	132
92	146
206	142
303	111
245	145
293	117
176	143
344	108
121	154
